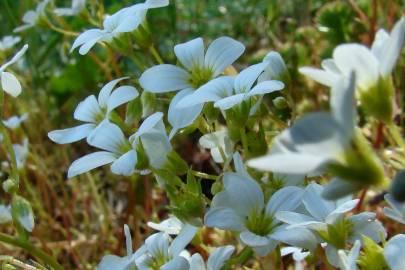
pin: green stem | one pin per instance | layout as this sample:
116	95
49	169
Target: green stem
155	54
31	250
60	30
243	256
244	140
204	175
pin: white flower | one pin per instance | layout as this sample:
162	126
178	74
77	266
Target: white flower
8	42
325	215
348	261
228	91
241	207
152	134
171	226
120	151
215	261
394	252
9	82
276	68
15	121
124	20
5	214
320	140
32	17
161	252
368	64
396	211
77	7
199	67
92	111
298	255
219	144
21	153
117	150
109	262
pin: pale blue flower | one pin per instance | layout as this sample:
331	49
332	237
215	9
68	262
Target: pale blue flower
241	207
275	69
199	66
215	261
5	214
298	255
171	225
21	153
125	20
396	211
394	252
228	91
8	42
368	64
15	121
32	17
219	143
77	7
94	110
9	83
322	214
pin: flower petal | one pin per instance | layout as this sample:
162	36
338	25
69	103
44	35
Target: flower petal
229	102
106	90
393	48
321	76
197	262
221	53
164	78
253	240
121	95
219	256
298	237
357	58
178	263
90	162
266	87
107	136
191	53
70	135
182	117
87	110
87	36
285	199
394	252
10	84
317	206
247	77
185	236
125	164
211	91
224	219
338	188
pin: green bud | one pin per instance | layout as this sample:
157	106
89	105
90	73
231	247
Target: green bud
280	103
10	186
22	213
398	186
216	187
378	100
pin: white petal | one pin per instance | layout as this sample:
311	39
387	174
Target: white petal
105	92
164	78
253	240
211	91
156	146
321	76
121	95
197	262
87	110
182	117
338	188
10	84
70	135
285	199
357	58
338	212
133	18
221	53
317	206
293	218
85	48
86	37
265	87
178	263
109	262
156	3
153	123
276	66
393	48
380	41
223	218
245	194
342	104
394	252
332	255
125	164
16	57
229	102
292	163
389	212
219	256
90	162
247	77
185	236
171	225
299	237
191	53
107	136
264	250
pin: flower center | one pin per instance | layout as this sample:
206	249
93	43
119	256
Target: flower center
200	76
157	261
259	223
338	233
